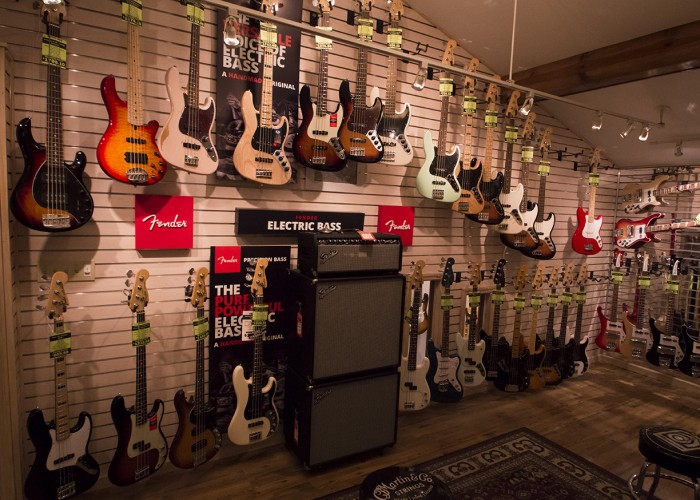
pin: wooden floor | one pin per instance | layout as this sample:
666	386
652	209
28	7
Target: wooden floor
596	416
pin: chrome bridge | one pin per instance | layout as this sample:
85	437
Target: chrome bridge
57	221
65	490
142	472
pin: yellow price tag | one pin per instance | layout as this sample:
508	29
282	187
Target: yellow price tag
201	328
195	13
617	277
140	333
446	86
511	134
60	344
469	104
498	296
543	168
644	282
593	179
260	314
365	29
53	51
394	38
566	297
672	286
581	297
132	12
536	300
474	299
446	301
552	299
323	43
491	118
519	303
268	35
527	154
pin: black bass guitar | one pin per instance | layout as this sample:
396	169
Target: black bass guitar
575	358
665	349
496	347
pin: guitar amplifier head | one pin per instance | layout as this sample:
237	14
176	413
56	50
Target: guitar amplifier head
322	254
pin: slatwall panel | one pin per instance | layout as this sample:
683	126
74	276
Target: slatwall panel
102	363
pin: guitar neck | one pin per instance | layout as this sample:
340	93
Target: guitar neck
549	337
61	392
541	196
615	296
526	155
515	347
193	80
579	323
566	297
266	102
392	71
322	98
445	344
495	330
259	328
468	138
670	311
442	134
140	407
134	97
360	98
473	316
591	200
199	378
54	134
488	153
680	188
413	333
511	137
641	307
658	228
533	328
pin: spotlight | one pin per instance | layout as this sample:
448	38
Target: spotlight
527	105
52	2
421	76
230	33
644	135
679	148
626	132
598	123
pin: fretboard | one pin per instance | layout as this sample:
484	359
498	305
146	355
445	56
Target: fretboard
670	310
322	98
641	307
360	96
54	134
692	186
392	63
473	333
564	317
488	154
266	101
468	138
193	81
495	330
413	332
61	392
134	97
141	388
509	156
579	323
657	228
533	328
526	152
199	379
445	344
541	196
442	134
515	348
616	294
549	337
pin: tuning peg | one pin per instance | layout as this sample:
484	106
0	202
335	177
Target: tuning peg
248	277
43	288
40	307
188	290
130	274
45	277
42	297
127	292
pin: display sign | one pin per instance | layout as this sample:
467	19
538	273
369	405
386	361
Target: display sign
293	222
396	220
163	222
231	321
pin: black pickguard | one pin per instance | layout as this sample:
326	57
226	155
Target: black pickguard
512	374
393	125
444	166
493	354
269	140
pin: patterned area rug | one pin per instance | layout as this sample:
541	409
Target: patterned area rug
519	465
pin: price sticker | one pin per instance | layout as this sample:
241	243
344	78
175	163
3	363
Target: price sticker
409	315
672	287
132	12
474	299
268	35
552	299
260	314
59	344
469	104
581	297
511	134
527	154
53	51
140	333
617	277
491	119
394	38
536	300
543	168
519	303
593	179
446	86
446	301
195	13
365	29
201	328
323	43
566	297
498	296
644	282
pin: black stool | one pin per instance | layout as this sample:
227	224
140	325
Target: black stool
673	449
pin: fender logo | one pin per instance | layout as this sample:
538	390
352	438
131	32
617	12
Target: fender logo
323	292
325	257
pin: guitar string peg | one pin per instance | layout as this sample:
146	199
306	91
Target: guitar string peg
130	274
127	292
42	297
40	307
43	288
191	271
188	290
44	277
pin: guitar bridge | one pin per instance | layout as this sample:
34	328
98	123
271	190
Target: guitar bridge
142	472
191	161
612	340
639	348
65	490
55	220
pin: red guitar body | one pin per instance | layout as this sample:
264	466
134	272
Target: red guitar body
632	233
586	239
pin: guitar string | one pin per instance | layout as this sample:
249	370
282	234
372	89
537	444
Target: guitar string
316	143
192	103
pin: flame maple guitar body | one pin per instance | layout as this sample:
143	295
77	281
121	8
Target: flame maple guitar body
190	437
492	213
185	140
586	239
128	153
141	449
250	424
32	196
358	130
316	143
60	470
631	233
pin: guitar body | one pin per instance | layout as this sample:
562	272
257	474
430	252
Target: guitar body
29	200
471	200
316	143
545	248
586	239
665	350
637	197
437	178
690	364
128	152
78	471
189	439
443	376
566	355
415	391
632	233
473	370
246	428
513	375
537	380
141	449
358	131
527	239
492	213
550	368
636	343
578	362
392	132
260	161
185	140
612	333
494	354
514	221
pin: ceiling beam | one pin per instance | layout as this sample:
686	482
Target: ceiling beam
661	53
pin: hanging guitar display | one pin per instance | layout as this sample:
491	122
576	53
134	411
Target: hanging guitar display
575	358
414	391
358	130
636	341
197	439
471	351
316	143
637	197
563	341
437	179
586	239
128	151
259	155
255	417
185	140
444	372
50	195
470	200
665	350
393	124
62	466
690	364
537	352
635	233
141	445
612	331
496	347
551	366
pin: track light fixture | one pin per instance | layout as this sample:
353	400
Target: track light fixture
644	135
679	148
626	132
52	2
231	33
598	123
421	76
527	105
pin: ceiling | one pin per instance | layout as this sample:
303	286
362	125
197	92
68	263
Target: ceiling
547	31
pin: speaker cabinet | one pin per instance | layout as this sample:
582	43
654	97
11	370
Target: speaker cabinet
345	325
347	253
329	421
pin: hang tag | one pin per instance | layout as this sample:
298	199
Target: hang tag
268	35
519	303
469	104
446	301
552	299
60	344
394	38
323	43
617	277
536	301
527	154
566	297
132	12
511	134
474	299
260	314
446	87
672	287
201	328
491	119
593	179
498	296
53	51
195	13
543	168
581	297
365	29
140	333
644	282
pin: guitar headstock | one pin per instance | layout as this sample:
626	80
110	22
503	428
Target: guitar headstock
196	290
499	275
529	126
512	108
568	278
554	277
448	275
365	6
138	297
492	93
417	276
58	301
324	5
644	263
582	275
546	142
54	13
395	10
259	279
538	278
594	163
269	6
521	279
476	275
448	57
469	84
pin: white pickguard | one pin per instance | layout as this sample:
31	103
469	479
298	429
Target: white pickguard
242	431
671	342
579	367
412	400
75	444
616	330
544	229
425	180
143	433
171	142
447	370
472	367
322	128
592	230
511	202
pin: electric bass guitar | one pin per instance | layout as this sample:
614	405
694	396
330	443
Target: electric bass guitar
393	124
636	343
537	349
128	151
316	143
612	331
358	130
563	341
513	375
62	466
50	195
185	140
255	417
635	233
665	350
471	352
496	347
259	155
575	358
690	364
415	391
586	239
637	197
141	445
551	366
444	372
437	179
197	439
